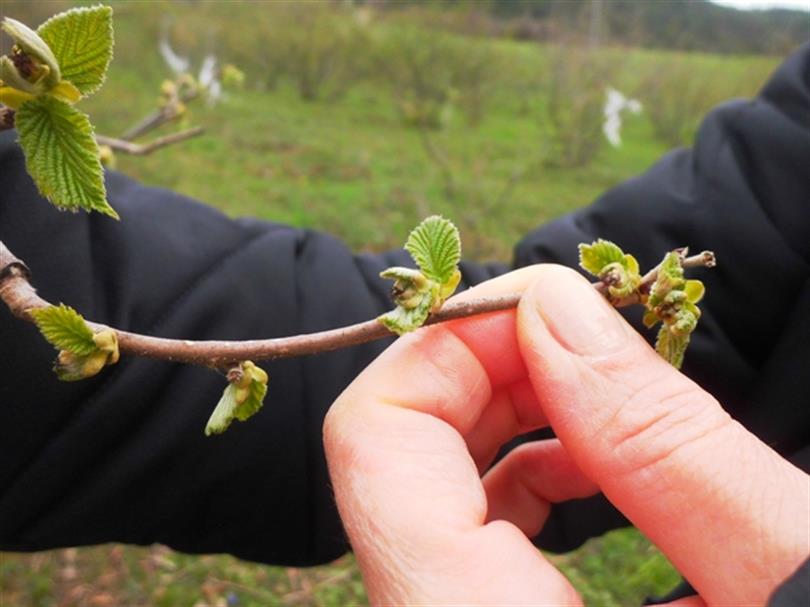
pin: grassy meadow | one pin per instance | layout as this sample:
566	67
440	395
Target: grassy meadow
361	124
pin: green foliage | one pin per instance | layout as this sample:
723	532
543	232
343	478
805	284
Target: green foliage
82	353
671	347
673	300
47	71
33	67
435	246
62	155
606	261
65	329
82	41
594	257
242	398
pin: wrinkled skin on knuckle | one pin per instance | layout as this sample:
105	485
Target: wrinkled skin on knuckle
663	422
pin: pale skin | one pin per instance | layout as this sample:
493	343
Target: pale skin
409	438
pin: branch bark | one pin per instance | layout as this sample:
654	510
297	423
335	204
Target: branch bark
142	149
20	296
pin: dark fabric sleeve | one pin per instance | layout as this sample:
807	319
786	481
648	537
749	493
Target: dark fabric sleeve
795	591
122	457
744	192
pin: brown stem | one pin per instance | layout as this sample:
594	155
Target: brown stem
20	297
159	117
142	149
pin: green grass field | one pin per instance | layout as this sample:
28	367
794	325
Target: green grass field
350	166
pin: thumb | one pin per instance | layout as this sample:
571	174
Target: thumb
728	511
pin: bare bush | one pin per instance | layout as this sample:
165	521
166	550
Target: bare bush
573	116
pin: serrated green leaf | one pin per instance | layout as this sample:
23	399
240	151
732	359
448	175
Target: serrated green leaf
435	246
241	399
65	329
62	156
82	42
671	347
594	257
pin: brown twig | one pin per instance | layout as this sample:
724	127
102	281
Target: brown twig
20	297
159	117
142	149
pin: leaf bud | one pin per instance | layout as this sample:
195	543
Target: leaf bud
32	58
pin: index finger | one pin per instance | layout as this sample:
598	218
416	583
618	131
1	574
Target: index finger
406	486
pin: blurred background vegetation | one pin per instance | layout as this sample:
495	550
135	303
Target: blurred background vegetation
360	118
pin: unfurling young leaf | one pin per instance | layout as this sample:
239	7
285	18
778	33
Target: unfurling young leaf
82	353
436	248
595	256
82	42
65	329
243	397
672	301
62	155
618	271
671	347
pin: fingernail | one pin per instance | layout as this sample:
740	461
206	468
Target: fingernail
578	316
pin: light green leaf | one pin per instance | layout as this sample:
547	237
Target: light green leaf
671	347
65	329
631	263
65	91
242	398
594	257
82	42
670	277
82	353
62	156
694	290
435	246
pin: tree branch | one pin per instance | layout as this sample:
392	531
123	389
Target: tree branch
142	149
20	297
160	116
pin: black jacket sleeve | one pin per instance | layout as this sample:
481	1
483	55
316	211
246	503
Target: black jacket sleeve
122	457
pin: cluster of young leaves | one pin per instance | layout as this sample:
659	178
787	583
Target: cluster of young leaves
242	398
82	352
673	302
45	74
671	299
435	247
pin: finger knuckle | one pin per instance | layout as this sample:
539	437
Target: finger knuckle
661	423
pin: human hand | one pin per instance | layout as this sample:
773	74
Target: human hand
406	441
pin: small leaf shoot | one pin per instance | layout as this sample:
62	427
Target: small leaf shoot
242	398
82	353
435	246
